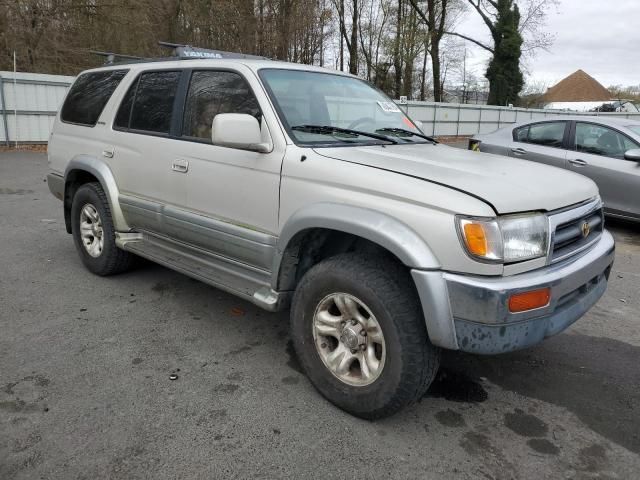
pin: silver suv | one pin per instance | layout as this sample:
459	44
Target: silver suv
291	185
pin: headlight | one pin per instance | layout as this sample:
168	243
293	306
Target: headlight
507	239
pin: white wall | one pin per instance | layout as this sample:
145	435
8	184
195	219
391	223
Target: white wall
576	106
36	97
441	119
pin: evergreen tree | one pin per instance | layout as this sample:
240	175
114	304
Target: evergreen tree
504	75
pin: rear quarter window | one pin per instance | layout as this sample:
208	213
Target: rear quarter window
520	134
548	134
88	96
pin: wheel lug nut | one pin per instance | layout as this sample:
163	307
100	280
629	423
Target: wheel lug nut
324	345
363	347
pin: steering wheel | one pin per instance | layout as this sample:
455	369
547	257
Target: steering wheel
360	121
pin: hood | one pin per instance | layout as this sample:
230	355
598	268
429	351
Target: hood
508	184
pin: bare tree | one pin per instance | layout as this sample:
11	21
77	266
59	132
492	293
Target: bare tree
438	16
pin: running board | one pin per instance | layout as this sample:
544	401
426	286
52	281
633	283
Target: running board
250	283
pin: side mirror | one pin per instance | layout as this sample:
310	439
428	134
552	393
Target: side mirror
633	155
238	130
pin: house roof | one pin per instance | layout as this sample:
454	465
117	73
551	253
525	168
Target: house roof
577	87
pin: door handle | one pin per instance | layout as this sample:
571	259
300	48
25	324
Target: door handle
577	162
518	151
180	166
108	152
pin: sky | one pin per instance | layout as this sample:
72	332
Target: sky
600	37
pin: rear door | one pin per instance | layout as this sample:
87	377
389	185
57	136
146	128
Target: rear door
144	149
542	142
598	152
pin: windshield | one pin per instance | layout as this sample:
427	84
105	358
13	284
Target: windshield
634	128
358	112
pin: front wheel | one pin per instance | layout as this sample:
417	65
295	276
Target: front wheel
359	333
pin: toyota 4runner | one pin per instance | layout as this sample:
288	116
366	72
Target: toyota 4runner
296	186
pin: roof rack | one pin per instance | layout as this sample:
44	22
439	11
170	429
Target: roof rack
179	52
187	52
110	57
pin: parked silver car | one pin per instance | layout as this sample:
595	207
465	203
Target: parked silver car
605	149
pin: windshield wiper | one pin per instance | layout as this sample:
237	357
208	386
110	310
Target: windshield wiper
402	130
330	129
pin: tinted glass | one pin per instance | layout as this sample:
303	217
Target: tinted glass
634	128
521	134
153	101
599	140
124	112
88	96
547	134
211	93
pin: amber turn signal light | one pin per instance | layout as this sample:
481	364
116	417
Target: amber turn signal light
521	302
475	239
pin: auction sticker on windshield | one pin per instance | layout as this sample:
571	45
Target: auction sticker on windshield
389	107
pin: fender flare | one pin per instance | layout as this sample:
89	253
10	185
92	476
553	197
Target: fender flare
102	172
391	234
378	227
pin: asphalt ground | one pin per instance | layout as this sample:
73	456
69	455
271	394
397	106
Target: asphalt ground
85	388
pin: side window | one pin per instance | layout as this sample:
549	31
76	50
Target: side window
549	134
211	93
521	134
88	96
600	140
153	101
124	112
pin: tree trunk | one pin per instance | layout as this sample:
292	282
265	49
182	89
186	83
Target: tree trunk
341	15
435	51
353	51
397	59
423	76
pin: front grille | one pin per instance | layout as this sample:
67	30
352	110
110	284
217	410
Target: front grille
569	237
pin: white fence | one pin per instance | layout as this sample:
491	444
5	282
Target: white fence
453	119
28	104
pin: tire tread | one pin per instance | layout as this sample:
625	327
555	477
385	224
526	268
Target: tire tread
383	274
117	260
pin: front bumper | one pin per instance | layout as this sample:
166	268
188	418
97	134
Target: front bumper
471	313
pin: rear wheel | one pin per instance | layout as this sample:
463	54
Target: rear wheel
359	333
93	232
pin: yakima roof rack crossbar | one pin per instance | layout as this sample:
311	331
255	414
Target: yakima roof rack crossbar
111	58
187	52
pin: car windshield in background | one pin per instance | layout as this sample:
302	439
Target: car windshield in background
634	128
325	109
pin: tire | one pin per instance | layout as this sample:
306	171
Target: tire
382	289
105	258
